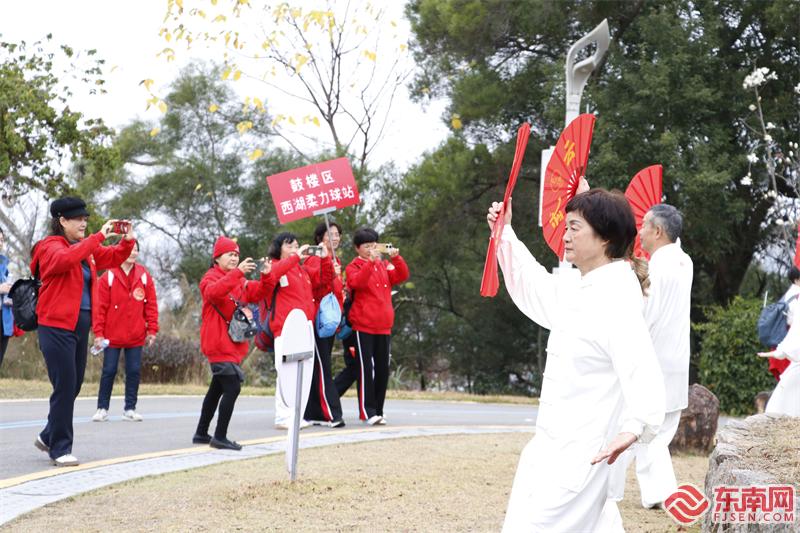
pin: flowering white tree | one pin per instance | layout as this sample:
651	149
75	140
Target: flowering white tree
780	173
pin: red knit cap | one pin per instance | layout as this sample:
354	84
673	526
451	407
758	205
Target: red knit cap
224	245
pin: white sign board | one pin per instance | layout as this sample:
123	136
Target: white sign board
294	359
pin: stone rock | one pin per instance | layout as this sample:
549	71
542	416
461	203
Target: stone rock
760	401
728	465
698	425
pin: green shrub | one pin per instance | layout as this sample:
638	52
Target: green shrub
728	364
173	360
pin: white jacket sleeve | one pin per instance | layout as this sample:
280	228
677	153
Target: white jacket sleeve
790	345
638	371
531	287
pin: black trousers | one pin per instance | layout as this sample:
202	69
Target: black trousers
65	356
323	400
349	374
372	353
225	385
3	346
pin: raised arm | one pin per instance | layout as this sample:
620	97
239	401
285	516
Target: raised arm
400	272
113	256
358	274
57	261
217	291
532	289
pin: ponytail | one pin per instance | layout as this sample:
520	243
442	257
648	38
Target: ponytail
641	268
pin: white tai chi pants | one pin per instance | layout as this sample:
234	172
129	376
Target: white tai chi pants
653	466
785	399
540	502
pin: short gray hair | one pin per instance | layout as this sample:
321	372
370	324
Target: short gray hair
669	218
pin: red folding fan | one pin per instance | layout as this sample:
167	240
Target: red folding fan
566	167
490	281
643	192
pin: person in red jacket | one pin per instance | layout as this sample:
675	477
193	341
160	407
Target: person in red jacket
369	280
125	318
67	264
223	288
324	405
295	286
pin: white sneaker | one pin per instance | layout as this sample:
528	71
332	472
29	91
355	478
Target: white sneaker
281	425
374	420
132	416
65	460
381	422
100	416
304	424
39	443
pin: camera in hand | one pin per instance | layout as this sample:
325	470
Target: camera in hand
384	247
121	227
314	250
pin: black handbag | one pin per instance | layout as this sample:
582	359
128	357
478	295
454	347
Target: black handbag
240	328
24	296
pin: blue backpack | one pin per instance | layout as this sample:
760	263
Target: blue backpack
772	325
329	316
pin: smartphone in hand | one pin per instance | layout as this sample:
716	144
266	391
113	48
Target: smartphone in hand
121	227
314	250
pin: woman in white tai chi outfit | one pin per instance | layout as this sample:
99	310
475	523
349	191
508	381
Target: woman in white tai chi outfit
602	388
785	399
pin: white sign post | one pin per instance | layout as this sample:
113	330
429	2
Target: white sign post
577	73
294	353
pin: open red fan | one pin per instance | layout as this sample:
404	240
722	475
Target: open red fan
490	281
566	167
643	192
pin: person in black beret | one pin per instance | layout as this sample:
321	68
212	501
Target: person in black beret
66	262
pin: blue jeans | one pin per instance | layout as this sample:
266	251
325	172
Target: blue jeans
133	367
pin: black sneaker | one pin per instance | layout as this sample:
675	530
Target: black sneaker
201	439
337	423
225	444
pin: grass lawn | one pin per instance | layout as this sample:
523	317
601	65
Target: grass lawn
22	388
449	483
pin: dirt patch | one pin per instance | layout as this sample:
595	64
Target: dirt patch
636	519
453	483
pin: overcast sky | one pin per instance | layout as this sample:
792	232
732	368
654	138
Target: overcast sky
126	35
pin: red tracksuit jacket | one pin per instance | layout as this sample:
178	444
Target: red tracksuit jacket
370	284
218	287
60	270
297	289
126	311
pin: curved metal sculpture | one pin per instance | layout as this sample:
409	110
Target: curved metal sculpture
578	72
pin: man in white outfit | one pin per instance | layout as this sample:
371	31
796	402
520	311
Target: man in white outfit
667	316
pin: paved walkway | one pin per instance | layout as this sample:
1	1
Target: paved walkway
28	492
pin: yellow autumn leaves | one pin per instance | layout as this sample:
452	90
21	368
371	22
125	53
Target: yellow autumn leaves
226	73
